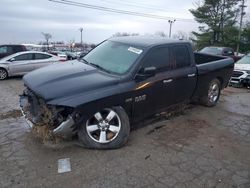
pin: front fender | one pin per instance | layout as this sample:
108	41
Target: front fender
5	66
91	102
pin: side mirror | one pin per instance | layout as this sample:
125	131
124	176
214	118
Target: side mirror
12	59
146	72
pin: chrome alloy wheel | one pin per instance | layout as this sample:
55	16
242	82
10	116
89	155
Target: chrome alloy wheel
213	92
3	74
104	126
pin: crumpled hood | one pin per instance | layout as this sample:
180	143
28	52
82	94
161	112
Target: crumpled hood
66	79
238	66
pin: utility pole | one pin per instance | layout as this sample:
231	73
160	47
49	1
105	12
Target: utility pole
81	29
170	27
241	20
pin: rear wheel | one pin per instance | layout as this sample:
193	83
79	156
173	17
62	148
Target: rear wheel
213	93
106	129
3	74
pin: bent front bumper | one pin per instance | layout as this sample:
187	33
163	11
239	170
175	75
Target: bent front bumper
23	102
34	113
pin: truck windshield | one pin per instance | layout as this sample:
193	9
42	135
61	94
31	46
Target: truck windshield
113	57
244	60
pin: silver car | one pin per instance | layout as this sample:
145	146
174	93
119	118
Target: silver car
24	62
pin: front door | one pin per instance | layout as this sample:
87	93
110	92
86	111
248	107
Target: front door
154	93
20	64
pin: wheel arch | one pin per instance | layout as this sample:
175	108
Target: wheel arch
221	81
94	106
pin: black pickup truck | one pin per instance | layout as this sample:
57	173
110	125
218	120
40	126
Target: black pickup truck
117	84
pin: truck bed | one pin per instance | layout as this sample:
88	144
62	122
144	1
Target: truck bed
201	58
210	66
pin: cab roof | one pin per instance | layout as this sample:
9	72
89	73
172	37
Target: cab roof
146	41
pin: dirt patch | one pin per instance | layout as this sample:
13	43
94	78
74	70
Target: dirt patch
155	129
172	112
180	133
45	135
232	90
11	114
197	123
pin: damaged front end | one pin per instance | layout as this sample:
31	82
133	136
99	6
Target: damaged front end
58	120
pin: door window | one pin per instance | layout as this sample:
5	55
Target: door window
158	58
42	56
180	56
23	57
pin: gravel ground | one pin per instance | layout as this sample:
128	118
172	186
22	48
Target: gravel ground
201	147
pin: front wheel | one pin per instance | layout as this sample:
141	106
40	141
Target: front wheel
213	93
3	74
106	129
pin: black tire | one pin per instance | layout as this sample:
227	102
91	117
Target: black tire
3	74
210	100
87	140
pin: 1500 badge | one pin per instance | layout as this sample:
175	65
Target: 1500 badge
140	98
137	99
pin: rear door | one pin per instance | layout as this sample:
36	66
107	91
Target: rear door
21	64
184	72
41	60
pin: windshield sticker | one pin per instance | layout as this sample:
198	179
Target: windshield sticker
135	50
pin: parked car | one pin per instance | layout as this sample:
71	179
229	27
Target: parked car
81	55
70	55
117	84
241	73
61	55
223	51
23	62
6	50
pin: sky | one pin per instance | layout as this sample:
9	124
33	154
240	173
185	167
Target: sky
23	21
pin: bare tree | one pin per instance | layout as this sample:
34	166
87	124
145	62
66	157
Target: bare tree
47	37
160	34
181	35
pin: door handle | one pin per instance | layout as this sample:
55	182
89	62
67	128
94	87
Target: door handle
191	75
167	81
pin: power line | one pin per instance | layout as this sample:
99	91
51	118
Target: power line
107	9
135	5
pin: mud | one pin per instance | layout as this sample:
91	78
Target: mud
11	114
